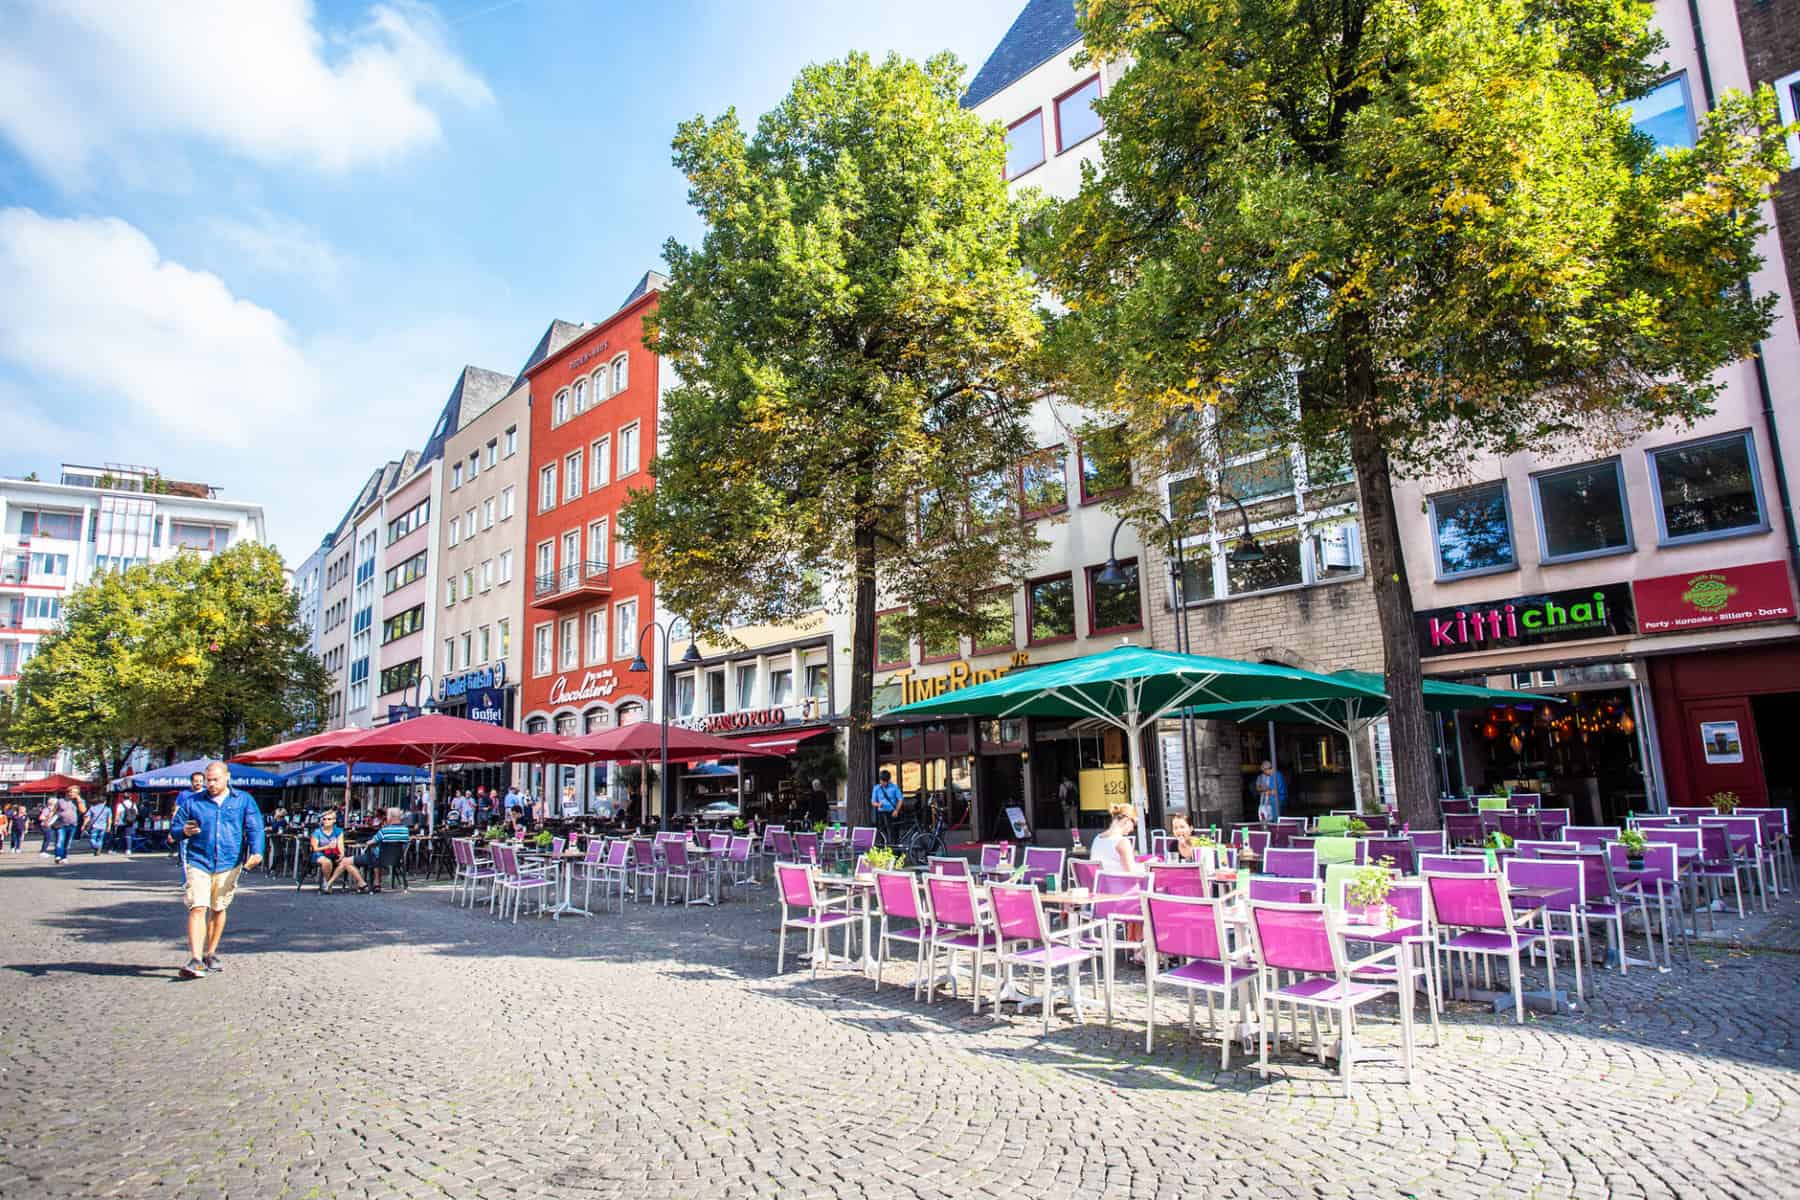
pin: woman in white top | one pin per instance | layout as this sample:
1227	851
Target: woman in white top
1113	849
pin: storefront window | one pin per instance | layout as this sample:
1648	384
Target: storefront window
1114	605
684	695
1707	489
1581	510
1050	604
1473	530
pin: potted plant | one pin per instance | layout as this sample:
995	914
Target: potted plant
819	828
1357	827
1724	803
738	825
882	858
1634	843
1368	893
543	839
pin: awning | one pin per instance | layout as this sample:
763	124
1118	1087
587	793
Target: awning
776	743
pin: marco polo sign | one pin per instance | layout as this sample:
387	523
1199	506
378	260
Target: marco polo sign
1531	620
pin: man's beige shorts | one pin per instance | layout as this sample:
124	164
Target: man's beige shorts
212	891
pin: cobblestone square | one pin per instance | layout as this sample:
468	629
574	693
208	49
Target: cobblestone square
399	1046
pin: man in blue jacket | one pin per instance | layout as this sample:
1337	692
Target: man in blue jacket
215	828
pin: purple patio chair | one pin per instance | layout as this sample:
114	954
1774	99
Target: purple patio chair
718	841
1521	826
1661	874
1193	929
590	868
516	882
996	859
1398	849
1477	905
802	909
1043	862
1284	891
1083	871
1524	801
1692	813
1257	842
1746	836
1653	821
1776	840
905	917
1462	829
1552	821
1299	939
1428	841
959	926
471	871
781	844
1452	864
1291	864
1738	837
1591	837
806	848
1282	836
1413	933
1455	804
1025	941
615	871
678	867
1537	848
740	862
1601	900
645	866
1118	906
862	839
947	864
1177	879
557	846
1565	875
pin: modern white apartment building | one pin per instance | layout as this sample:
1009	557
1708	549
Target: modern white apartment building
54	537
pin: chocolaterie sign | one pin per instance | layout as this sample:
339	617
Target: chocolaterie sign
1529	620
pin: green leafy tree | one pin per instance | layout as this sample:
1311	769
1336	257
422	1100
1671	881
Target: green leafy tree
850	339
1404	235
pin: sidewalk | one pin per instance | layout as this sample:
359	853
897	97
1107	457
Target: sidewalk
1776	931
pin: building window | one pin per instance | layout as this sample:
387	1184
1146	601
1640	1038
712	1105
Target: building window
596	636
781	687
818	684
1076	120
560	412
468	585
1025	144
541	660
996	631
512	441
504	628
891	649
401	624
547	488
620	374
1050	609
469	525
474	465
468	649
487	574
506	566
399	576
506	503
1707	489
486	644
408	521
572	476
599	551
487	513
601	457
571	552
715	691
1664	114
684	695
625	630
455	532
571	645
546	559
400	676
1473	531
623	550
746	686
455	476
1114	607
1044	483
1105	464
628	450
580	396
450	591
493	452
1581	511
938	646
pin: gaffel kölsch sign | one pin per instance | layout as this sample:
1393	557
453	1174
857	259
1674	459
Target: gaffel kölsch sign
1530	620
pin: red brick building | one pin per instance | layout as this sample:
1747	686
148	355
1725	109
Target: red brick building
593	433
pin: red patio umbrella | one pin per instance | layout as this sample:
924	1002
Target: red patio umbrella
314	747
50	784
435	739
642	741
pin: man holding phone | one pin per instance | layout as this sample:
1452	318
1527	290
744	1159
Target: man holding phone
215	828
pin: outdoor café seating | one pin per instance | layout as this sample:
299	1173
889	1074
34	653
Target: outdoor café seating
803	909
1190	932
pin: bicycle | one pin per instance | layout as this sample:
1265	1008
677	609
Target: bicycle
922	842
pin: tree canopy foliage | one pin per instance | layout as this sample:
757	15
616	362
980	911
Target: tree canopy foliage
851	340
1401	234
181	656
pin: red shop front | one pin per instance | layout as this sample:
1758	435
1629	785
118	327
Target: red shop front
1726	716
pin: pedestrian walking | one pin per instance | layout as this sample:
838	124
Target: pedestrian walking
46	819
128	823
99	824
220	833
67	821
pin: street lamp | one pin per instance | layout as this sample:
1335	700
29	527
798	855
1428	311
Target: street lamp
639	667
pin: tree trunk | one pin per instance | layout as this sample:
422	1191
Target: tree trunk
1408	726
861	733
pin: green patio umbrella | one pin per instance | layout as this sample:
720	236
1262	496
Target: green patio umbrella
1132	688
1350	714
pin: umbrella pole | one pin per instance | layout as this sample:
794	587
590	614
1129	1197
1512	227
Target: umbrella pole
1134	756
431	801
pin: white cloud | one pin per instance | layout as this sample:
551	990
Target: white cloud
90	303
257	78
273	245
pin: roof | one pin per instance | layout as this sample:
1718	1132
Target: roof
560	334
476	390
1041	32
653	281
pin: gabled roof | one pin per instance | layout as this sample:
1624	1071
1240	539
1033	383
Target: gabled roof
1041	32
560	334
475	392
653	281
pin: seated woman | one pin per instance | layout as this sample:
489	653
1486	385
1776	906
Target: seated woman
328	853
1113	848
1183	833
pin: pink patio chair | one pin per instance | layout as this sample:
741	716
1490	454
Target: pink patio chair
802	909
862	839
1746	837
1592	837
1552	821
679	868
1524	801
1374	849
1477	905
1193	929
1776	840
1118	906
947	864
1257	841
1452	864
514	882
646	867
1660	875
1462	829
1025	941
1083	871
1043	862
996	859
1291	864
905	918
1691	813
1299	939
615	871
1719	861
589	869
959	926
1455	804
1177	879
1284	891
780	844
1428	841
471	871
1413	933
806	848
740	862
1564	874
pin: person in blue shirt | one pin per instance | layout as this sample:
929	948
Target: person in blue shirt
1271	793
886	799
219	832
394	830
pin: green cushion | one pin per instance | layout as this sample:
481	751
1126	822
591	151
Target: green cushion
1335	875
1337	823
1490	803
1335	849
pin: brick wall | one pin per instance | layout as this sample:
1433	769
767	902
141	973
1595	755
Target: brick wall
1771	33
1321	627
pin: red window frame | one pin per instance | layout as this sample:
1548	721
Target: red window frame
1056	113
955	652
894	664
1043	157
1032	514
1031	638
1095	629
1081	476
1012	641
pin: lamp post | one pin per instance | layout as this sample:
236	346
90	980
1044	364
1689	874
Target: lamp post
1246	551
639	667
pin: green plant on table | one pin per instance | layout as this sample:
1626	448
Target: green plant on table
543	839
492	833
738	825
882	858
1498	841
1356	827
1634	842
1724	803
819	828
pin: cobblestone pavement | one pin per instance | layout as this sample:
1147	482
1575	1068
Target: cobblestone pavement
398	1046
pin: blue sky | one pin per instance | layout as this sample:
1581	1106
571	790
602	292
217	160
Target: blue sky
253	241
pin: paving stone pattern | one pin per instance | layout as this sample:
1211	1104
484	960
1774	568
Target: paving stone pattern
396	1046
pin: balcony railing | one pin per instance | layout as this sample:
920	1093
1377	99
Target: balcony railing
571	580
